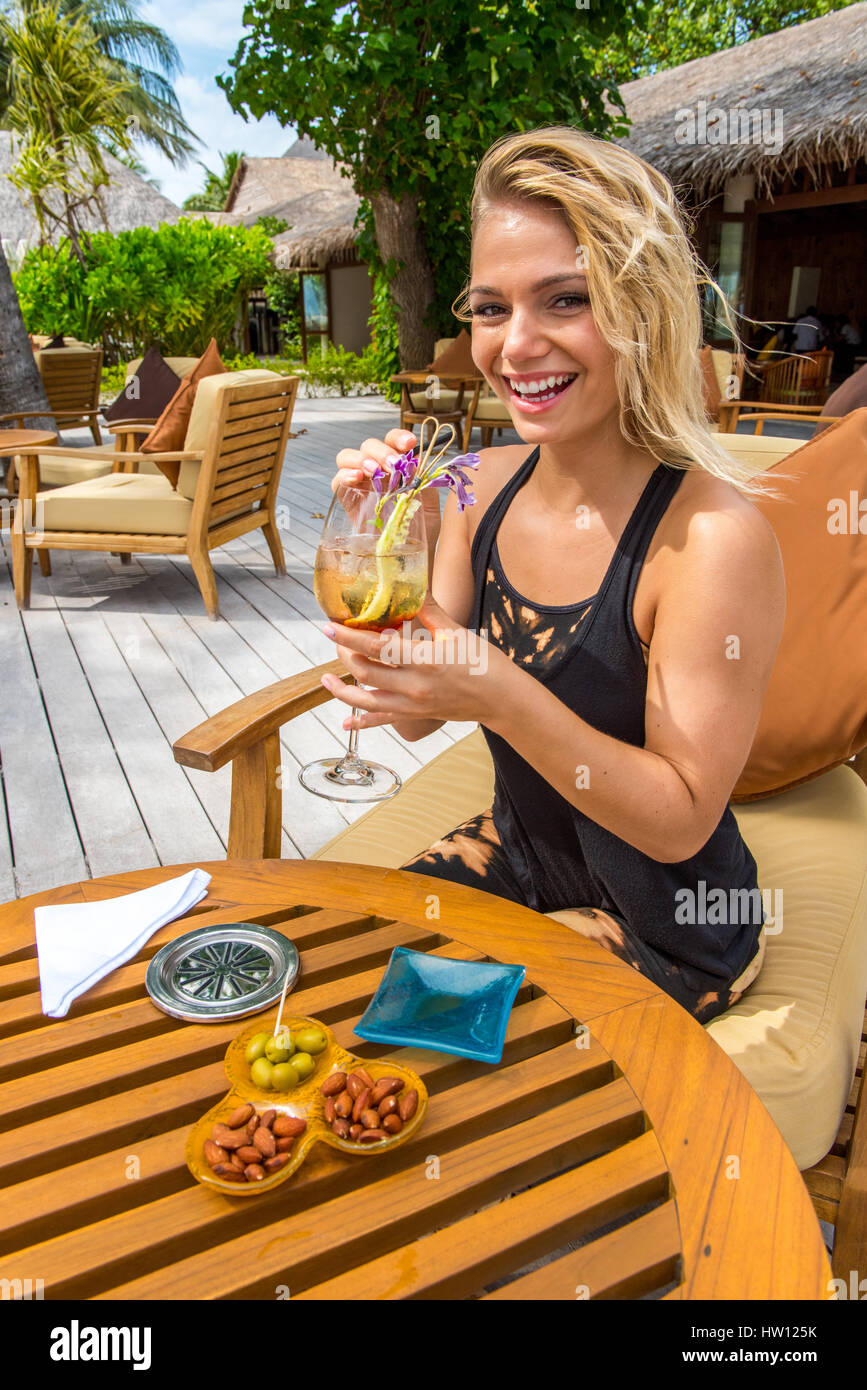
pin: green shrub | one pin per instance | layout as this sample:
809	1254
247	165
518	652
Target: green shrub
175	287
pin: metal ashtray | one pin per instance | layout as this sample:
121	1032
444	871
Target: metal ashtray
217	974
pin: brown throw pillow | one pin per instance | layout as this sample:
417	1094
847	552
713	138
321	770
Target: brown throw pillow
457	359
146	393
815	711
850	395
170	430
709	382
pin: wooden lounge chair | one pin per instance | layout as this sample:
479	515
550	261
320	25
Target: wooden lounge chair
227	478
820	825
71	376
803	379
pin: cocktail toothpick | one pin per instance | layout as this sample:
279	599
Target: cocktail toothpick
424	453
282	1000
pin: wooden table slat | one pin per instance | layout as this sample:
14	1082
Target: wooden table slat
631	1262
461	1259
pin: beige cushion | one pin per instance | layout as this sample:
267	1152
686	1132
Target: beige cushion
125	502
205	408
492	409
763	450
181	366
88	463
795	1034
444	401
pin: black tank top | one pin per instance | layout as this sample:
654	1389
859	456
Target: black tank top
590	656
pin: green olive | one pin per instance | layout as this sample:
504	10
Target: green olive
284	1077
311	1040
256	1046
262	1074
303	1064
274	1052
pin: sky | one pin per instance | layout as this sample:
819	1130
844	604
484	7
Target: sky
206	33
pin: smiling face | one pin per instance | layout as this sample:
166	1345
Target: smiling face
533	332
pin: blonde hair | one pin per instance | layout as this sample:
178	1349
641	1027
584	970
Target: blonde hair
643	279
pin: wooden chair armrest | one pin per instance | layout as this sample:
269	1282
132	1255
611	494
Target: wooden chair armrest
179	456
247	735
221	738
17	415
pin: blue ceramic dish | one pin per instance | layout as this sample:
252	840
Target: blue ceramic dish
455	1006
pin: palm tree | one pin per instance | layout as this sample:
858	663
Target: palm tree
216	191
144	58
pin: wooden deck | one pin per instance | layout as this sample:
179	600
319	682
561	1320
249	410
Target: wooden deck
112	663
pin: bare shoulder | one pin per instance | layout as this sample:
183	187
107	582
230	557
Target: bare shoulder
711	520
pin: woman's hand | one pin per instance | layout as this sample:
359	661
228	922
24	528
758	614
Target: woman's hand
451	674
355	466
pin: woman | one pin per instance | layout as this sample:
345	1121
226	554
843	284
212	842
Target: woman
632	596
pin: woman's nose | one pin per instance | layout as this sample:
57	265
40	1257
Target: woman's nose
523	339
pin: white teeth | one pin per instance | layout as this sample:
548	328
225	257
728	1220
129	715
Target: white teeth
539	386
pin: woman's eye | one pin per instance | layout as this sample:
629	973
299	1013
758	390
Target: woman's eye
573	301
488	311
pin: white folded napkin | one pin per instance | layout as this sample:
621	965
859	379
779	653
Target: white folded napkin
80	943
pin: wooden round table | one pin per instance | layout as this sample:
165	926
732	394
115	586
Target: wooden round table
613	1120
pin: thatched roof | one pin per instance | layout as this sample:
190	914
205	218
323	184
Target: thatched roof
813	73
270	187
129	201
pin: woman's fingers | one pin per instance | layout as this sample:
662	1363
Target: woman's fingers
371	701
355	466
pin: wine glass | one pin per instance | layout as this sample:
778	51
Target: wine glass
365	577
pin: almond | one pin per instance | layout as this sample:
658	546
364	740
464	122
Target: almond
285	1144
229	1138
248	1154
362	1101
273	1165
267	1119
364	1077
369	1118
407	1105
214	1153
228	1174
343	1105
385	1086
393	1124
388	1106
330	1112
372	1136
254	1172
240	1116
341	1128
288	1126
333	1084
265	1142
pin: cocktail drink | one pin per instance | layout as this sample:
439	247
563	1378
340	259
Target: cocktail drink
355	586
371	572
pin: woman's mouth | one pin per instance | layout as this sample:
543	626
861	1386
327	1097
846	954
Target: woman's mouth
532	394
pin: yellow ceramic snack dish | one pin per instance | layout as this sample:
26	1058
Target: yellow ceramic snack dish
305	1101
